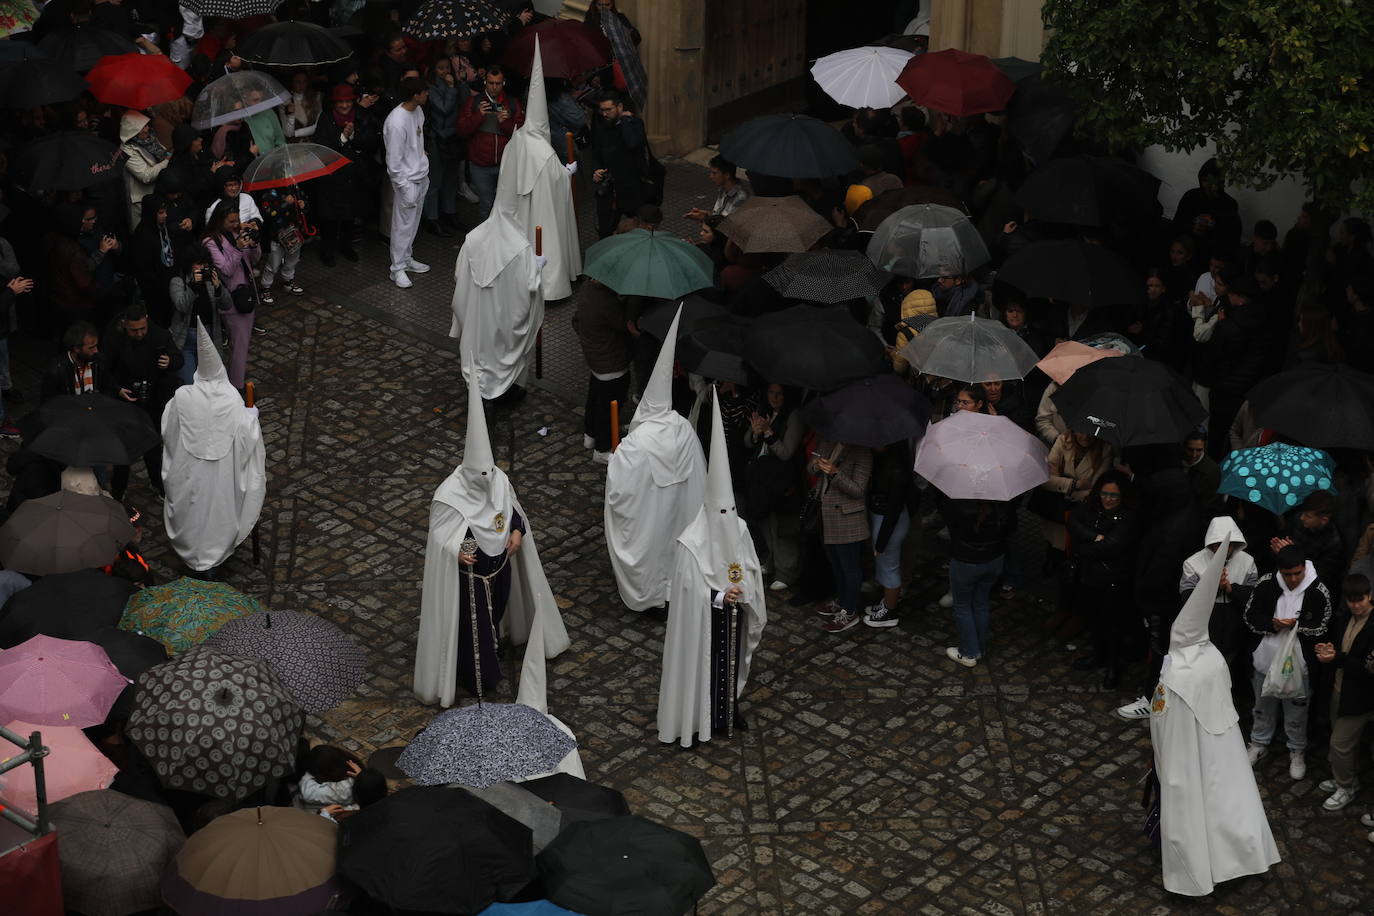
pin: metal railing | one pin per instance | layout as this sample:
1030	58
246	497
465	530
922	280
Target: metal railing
32	753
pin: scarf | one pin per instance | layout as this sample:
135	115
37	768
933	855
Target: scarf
627	55
343	120
151	147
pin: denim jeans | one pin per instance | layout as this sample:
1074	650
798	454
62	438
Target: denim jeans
190	354
484	186
1267	717
847	562
971	585
887	567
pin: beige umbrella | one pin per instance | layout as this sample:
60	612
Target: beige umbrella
255	862
774	224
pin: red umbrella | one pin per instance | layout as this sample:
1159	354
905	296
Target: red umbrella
567	48
956	82
137	81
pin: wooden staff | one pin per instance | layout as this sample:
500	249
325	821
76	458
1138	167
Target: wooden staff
250	397
539	335
615	425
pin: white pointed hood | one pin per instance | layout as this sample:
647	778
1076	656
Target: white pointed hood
1195	669
478	488
490	247
537	105
657	400
722	556
207	405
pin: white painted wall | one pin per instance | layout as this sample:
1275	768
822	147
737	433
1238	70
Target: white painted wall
1177	172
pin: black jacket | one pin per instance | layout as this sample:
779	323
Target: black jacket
133	361
1314	620
621	148
61	378
1174	527
1236	351
979	529
1110	561
1357	687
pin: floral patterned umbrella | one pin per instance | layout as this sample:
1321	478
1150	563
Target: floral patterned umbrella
482	744
215	724
435	20
183	613
315	660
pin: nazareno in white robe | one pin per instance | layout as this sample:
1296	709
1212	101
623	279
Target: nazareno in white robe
213	464
655	485
498	302
1212	824
534	175
714	553
477	497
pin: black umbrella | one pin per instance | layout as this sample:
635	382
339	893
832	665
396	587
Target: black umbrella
66	606
1129	402
435	849
1089	191
871	214
828	275
292	44
625	865
576	799
1040	116
1073	271
232	9
1321	405
36	82
12	52
1017	69
790	146
435	20
64	532
81	48
658	317
815	348
873	412
132	654
89	430
65	161
714	349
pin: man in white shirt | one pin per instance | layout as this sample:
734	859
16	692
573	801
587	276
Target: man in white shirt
408	167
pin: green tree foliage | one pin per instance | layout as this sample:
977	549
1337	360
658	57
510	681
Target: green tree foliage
1281	86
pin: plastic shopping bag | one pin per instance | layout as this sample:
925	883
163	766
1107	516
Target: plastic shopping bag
1287	675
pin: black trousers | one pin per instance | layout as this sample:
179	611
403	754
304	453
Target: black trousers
600	394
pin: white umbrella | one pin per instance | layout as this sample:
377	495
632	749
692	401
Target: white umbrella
975	456
862	77
970	349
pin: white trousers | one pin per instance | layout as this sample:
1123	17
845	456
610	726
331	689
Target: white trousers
406	205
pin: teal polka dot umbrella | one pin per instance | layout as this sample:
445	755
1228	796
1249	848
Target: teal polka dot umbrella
1277	477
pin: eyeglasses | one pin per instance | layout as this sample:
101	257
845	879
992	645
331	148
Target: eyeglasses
1108	495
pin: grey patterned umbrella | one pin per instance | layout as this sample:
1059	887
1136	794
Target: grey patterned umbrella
113	850
215	724
828	276
970	349
928	240
483	744
232	9
315	660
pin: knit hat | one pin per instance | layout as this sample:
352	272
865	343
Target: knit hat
856	197
130	123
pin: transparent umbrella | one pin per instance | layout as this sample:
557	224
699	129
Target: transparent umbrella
928	240
970	349
235	96
292	164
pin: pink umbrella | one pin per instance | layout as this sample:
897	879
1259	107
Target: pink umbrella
62	682
975	456
73	765
1068	357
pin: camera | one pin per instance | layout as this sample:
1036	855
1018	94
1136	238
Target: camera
140	390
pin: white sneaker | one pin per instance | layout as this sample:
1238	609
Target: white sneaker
417	267
947	600
1256	752
1367	819
1297	764
1139	709
777	585
588	441
601	457
400	279
1327	785
1339	799
952	653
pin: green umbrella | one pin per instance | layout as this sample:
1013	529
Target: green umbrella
183	613
647	263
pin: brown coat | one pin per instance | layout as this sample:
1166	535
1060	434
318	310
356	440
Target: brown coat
844	509
600	325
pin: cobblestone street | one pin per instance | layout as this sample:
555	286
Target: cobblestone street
876	776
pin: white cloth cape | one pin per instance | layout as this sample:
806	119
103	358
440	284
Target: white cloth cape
498	304
531	601
684	696
1212	823
213	469
543	197
655	485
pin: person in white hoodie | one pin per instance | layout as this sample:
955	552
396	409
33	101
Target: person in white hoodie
1292	597
407	165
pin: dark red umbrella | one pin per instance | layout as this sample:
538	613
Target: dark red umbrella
566	47
137	81
956	82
